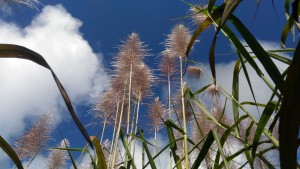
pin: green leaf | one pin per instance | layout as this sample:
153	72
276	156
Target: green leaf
261	125
100	161
226	135
127	151
235	89
10	152
220	149
216	14
206	146
171	123
15	51
151	160
173	144
260	53
287	28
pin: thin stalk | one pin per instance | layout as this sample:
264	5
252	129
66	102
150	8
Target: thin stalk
118	133
129	110
136	122
129	101
143	156
170	115
155	141
113	135
103	129
133	121
169	97
184	119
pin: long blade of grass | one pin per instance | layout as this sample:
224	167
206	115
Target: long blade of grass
150	158
226	135
216	14
127	149
230	6
235	89
10	152
206	146
100	161
270	166
173	145
280	58
171	123
220	149
261	125
248	81
260	53
287	28
15	51
229	158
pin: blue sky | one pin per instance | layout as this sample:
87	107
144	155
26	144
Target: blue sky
91	30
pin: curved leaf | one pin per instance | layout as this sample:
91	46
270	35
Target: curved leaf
15	51
10	152
261	125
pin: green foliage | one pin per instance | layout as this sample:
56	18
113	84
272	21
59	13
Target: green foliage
250	135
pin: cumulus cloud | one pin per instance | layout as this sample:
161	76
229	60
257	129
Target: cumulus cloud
27	89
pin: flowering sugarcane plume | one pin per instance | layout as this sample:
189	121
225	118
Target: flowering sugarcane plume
34	140
157	111
195	13
194	72
178	40
57	159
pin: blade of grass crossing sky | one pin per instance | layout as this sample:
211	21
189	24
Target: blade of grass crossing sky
173	145
150	158
235	89
10	152
206	146
220	148
261	125
225	137
287	28
260	53
15	51
100	160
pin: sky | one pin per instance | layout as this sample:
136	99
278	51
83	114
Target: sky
79	40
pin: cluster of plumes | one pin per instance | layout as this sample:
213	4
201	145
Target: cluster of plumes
196	13
35	139
129	65
130	57
157	112
57	159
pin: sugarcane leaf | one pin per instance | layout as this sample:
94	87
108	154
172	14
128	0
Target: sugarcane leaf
206	146
150	158
287	28
261	125
10	152
100	161
16	51
220	148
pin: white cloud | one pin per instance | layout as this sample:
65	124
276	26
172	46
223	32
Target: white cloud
27	89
